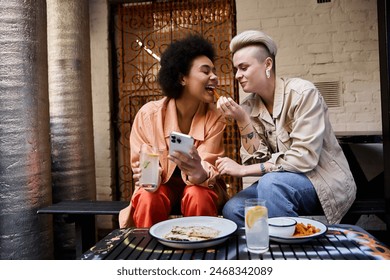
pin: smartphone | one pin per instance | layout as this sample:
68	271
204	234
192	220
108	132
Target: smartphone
180	142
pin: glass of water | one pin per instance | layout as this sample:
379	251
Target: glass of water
149	163
256	225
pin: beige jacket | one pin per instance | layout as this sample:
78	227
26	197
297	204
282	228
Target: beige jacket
299	138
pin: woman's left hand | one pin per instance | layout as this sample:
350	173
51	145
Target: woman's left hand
190	164
227	166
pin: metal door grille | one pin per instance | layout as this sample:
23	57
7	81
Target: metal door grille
141	32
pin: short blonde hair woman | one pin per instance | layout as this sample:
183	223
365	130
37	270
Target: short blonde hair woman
286	137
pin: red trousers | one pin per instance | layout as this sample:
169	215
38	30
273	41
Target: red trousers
149	208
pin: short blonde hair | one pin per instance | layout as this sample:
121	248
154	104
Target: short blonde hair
253	38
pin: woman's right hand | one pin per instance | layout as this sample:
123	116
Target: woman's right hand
137	174
231	109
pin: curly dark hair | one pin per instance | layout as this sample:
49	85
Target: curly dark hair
176	62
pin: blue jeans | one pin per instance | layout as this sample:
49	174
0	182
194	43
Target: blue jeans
286	194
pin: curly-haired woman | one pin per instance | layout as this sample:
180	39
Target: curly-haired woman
188	182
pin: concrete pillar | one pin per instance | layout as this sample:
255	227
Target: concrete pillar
25	180
73	165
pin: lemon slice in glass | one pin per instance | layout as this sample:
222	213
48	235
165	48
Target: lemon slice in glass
255	213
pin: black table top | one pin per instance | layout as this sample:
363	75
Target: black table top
344	242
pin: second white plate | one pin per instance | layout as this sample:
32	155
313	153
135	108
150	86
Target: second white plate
300	239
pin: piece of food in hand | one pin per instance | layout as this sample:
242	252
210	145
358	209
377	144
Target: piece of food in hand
191	233
215	93
305	230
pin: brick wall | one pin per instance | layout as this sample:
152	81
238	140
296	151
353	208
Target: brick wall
335	41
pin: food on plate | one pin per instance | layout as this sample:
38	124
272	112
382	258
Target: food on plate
254	214
305	230
191	233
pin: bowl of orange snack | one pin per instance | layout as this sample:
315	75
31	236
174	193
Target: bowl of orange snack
305	230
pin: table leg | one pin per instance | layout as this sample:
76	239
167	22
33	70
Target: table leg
85	233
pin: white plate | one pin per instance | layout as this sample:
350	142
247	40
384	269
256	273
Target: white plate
226	228
300	239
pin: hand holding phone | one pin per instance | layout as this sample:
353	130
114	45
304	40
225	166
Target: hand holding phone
180	142
191	164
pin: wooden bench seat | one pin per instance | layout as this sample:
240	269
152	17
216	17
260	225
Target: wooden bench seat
82	213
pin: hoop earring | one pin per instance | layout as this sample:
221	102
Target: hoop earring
268	73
